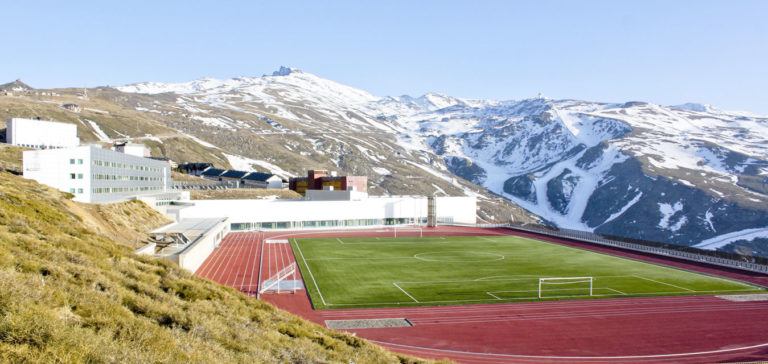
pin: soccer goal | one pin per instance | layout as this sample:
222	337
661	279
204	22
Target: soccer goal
408	231
565	286
274	282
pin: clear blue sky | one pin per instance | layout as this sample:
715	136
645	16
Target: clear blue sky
667	52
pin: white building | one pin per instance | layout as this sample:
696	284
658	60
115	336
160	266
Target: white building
262	180
303	214
94	174
40	134
139	150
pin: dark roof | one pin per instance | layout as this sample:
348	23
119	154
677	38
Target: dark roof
258	176
195	166
233	174
212	172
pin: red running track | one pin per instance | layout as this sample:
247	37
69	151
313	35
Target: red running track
683	329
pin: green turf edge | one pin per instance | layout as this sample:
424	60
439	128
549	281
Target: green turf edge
317	301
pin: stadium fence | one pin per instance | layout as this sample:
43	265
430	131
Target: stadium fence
724	259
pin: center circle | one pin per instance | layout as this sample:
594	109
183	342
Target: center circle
458	256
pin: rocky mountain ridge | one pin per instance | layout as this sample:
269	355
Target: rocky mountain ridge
683	174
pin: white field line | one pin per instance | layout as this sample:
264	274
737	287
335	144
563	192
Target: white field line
310	272
393	242
406	293
496	279
616	290
385	258
531	299
492	295
649	294
643	294
668	284
340	241
486	239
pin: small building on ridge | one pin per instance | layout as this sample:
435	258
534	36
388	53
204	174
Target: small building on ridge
322	180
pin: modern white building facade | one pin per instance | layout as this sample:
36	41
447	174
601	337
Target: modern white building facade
94	174
40	134
139	150
314	214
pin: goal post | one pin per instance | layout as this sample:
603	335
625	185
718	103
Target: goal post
408	229
566	284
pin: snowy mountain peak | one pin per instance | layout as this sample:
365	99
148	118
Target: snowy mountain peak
285	71
692	106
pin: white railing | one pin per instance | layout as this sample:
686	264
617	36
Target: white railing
686	255
278	277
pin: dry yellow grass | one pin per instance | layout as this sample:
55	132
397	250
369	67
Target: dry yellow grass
70	294
11	157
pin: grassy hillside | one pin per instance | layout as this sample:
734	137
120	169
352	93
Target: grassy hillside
70	294
104	108
11	157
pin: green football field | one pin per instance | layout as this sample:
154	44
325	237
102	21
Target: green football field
413	271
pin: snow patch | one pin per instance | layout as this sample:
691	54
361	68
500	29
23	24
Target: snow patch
382	171
241	163
201	142
103	137
667	212
623	209
725	239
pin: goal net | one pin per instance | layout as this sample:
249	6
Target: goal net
565	286
403	231
274	282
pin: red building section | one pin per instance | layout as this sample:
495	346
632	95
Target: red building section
686	329
321	179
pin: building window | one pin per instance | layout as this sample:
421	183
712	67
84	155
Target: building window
79	176
79	190
71	190
79	161
71	176
72	161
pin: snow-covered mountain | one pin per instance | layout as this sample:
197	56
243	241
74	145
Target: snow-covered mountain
687	174
640	170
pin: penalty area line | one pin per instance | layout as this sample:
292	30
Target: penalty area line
406	293
668	284
493	295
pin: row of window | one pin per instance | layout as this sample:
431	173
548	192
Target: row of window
125	189
38	146
325	223
72	161
101	163
111	177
